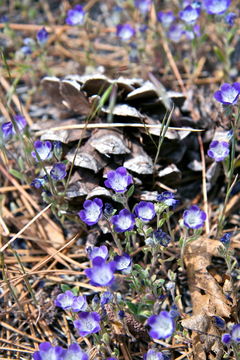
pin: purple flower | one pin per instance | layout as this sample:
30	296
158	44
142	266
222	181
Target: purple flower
7	131
161	238
38	183
101	251
145	210
79	303
92	211
175	32
194	217
102	273
74	352
20	122
125	31
142	28
143	5
167	197
43	149
226	338
226	238
195	3
216	6
193	33
75	16
108	210
118	180
166	18
219	322
58	171
57	149
65	300
124	221
42	36
4	19
153	355
48	352
235	333
230	18
27	49
162	325
174	313
88	323
123	262
218	150
121	314
105	298
228	94
189	14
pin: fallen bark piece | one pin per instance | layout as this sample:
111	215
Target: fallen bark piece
207	296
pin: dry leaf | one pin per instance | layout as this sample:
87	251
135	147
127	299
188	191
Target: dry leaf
109	142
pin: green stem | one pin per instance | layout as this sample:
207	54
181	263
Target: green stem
115	238
231	182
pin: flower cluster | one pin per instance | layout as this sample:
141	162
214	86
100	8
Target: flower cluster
68	301
185	24
87	322
48	352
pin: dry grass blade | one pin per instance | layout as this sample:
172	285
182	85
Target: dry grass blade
25	227
114	125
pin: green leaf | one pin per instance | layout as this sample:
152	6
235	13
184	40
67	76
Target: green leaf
149	231
132	307
130	191
220	54
118	198
145	313
181	242
137	267
65	287
17	174
161	222
75	290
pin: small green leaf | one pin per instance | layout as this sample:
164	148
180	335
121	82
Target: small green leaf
137	267
130	191
132	307
161	222
220	54
17	174
65	287
75	290
145	313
